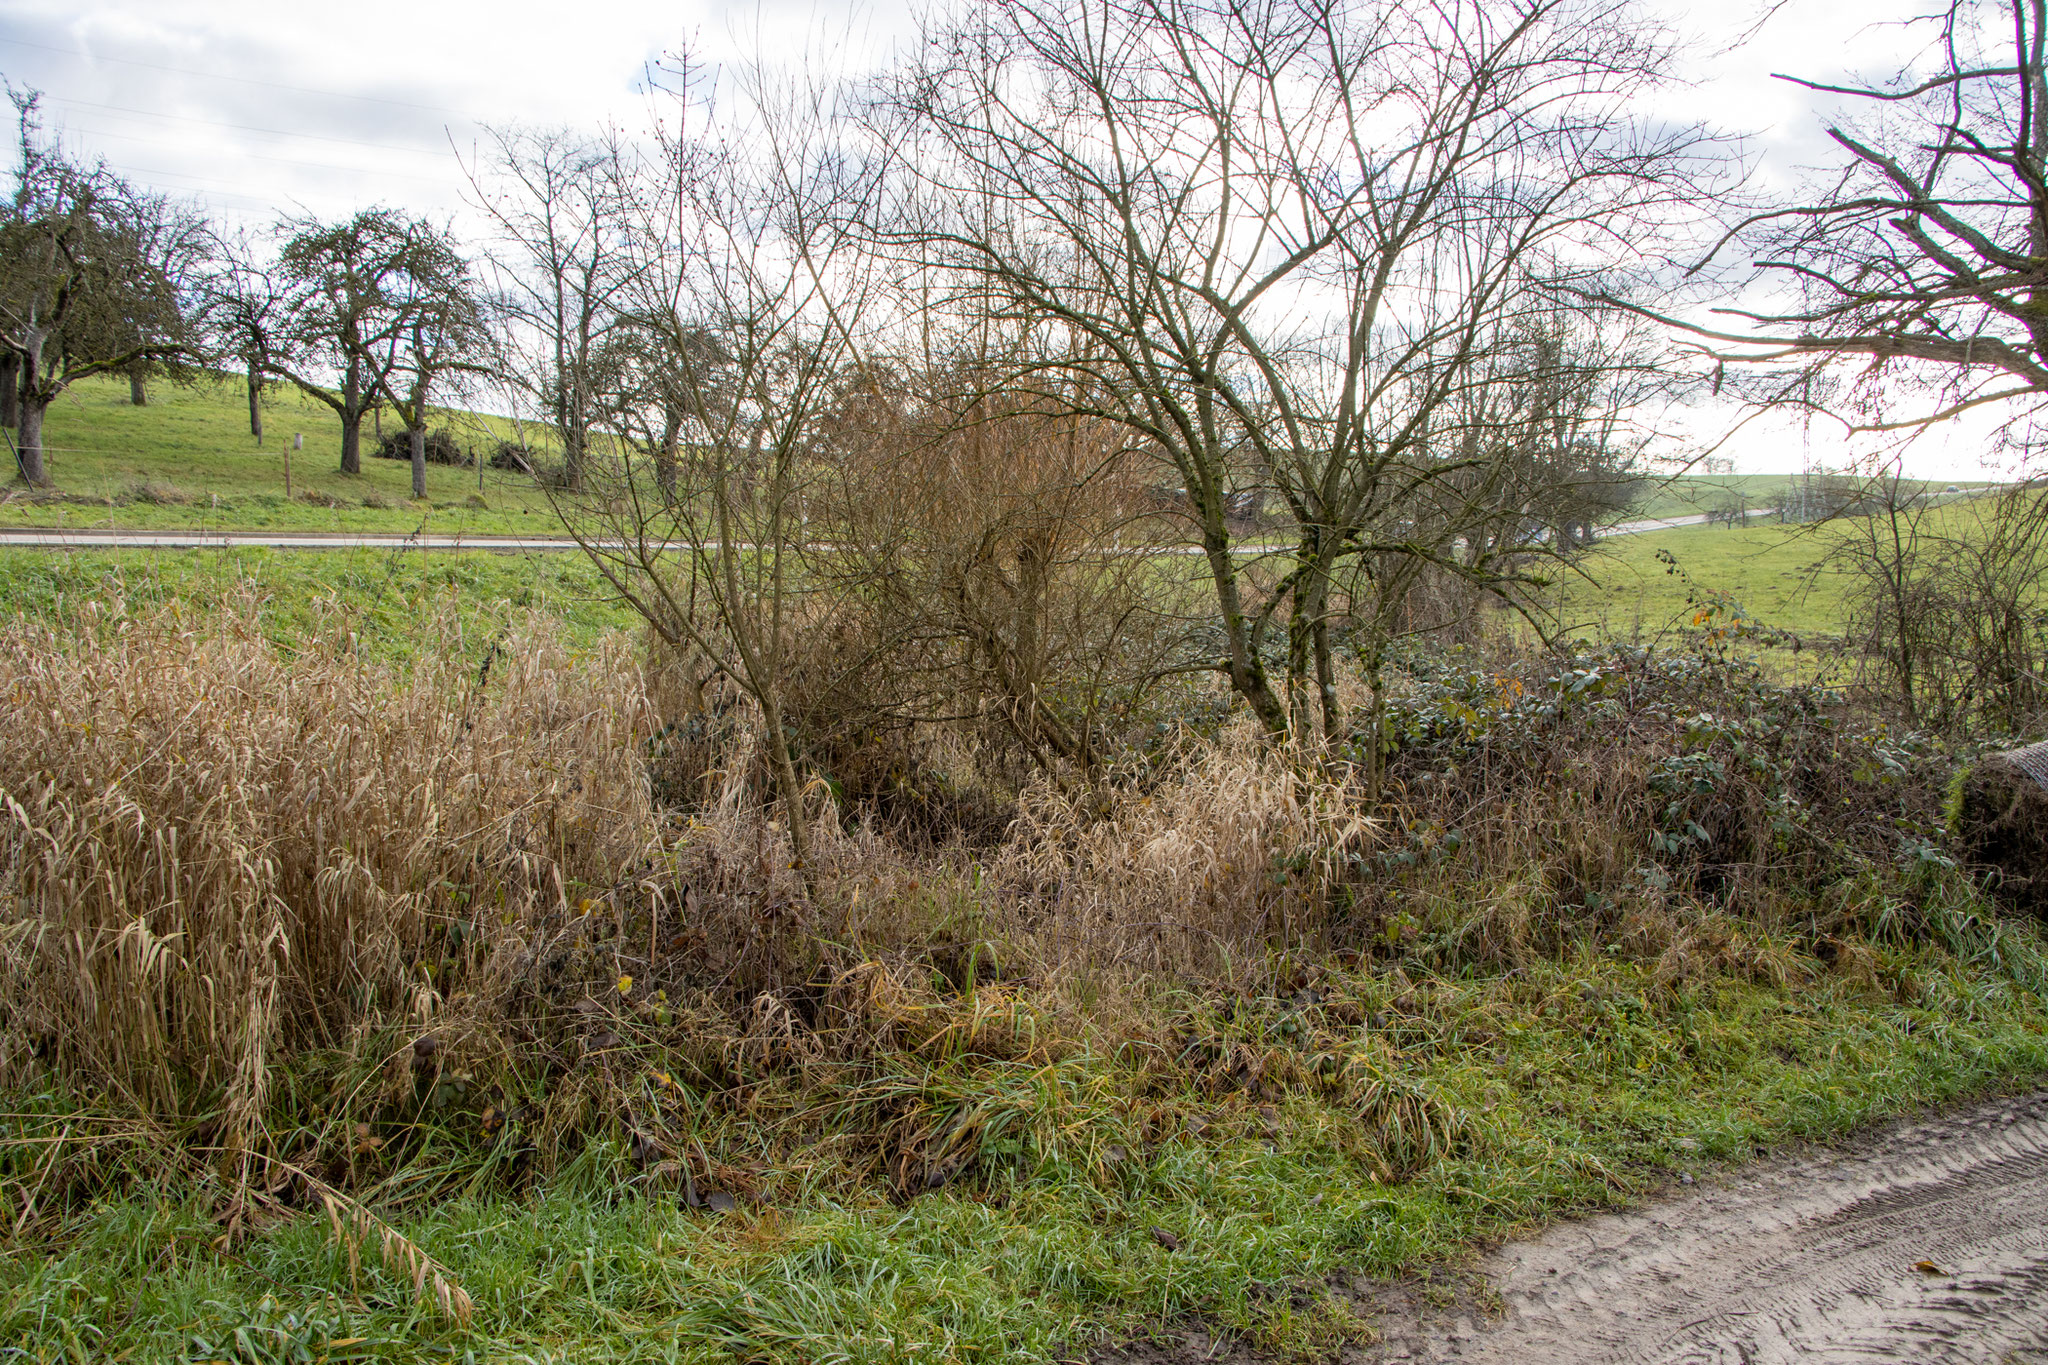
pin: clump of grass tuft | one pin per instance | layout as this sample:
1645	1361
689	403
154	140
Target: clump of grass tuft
158	493
1235	847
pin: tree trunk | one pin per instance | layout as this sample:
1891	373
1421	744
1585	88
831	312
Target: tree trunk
256	403
790	787
665	460
1300	618
1246	671
1326	665
352	419
29	442
138	389
572	458
10	389
416	436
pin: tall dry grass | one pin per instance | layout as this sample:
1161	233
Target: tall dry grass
538	877
1237	848
214	857
210	854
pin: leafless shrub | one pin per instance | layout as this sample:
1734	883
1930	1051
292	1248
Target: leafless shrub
1946	609
1014	554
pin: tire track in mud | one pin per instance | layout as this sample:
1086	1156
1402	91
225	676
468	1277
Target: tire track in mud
1805	1259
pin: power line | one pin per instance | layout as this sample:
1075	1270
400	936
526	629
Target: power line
281	160
240	80
251	128
214	187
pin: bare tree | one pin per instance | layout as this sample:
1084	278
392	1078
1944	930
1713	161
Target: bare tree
1946	604
1547	428
442	335
1283	237
92	279
1923	259
746	288
557	200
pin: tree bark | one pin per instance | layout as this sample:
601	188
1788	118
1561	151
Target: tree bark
416	436
352	419
256	403
572	458
665	459
138	389
1247	673
29	442
10	389
790	787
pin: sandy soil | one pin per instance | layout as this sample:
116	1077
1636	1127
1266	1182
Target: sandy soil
1923	1241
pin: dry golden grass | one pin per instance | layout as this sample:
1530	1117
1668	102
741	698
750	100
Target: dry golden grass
209	854
1235	849
216	861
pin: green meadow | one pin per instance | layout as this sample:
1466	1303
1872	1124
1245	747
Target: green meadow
187	461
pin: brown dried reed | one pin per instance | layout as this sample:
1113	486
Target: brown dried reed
1235	850
215	858
210	853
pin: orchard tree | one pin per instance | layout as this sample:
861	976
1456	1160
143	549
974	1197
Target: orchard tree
443	338
241	314
93	276
352	293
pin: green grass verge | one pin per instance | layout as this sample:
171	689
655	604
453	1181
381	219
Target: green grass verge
1579	1083
381	600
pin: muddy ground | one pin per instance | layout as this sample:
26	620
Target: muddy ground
1922	1241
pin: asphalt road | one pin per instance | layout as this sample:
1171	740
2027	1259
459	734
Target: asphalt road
48	538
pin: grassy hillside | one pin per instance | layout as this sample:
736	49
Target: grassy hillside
1773	572
1686	494
188	460
1776	575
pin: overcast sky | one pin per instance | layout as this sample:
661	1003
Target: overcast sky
255	106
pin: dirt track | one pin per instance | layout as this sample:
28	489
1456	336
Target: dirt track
1809	1258
1805	1259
